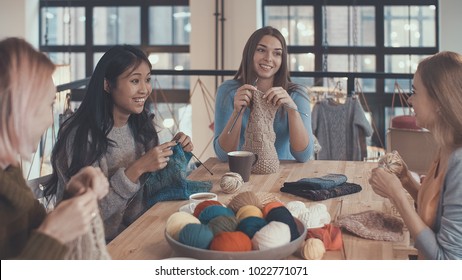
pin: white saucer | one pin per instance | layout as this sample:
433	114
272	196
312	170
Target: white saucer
186	208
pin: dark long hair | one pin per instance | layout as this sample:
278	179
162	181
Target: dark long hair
93	120
246	73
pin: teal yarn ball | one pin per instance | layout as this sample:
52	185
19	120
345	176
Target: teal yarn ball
283	215
214	211
196	235
251	225
222	224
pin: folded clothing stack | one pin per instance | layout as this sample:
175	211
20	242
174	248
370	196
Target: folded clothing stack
321	188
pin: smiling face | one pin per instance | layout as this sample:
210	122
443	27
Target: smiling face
131	91
267	58
424	107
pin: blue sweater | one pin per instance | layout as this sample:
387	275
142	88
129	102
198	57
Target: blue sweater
224	108
446	241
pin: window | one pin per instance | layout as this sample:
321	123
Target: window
354	36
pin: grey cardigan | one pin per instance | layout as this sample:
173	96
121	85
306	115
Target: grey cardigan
446	241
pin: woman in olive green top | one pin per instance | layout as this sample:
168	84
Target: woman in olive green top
27	95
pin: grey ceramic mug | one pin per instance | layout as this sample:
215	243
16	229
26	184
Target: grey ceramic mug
241	162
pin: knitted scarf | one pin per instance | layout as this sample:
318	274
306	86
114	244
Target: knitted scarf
260	136
170	183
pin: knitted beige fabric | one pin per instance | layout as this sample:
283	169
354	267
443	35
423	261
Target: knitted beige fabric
260	136
373	225
90	246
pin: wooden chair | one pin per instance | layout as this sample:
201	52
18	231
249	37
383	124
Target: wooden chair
416	147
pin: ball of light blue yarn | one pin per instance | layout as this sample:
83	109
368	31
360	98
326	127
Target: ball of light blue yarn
214	211
251	225
196	235
282	214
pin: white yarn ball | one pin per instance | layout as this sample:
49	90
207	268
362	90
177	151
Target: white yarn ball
320	210
313	249
272	235
296	207
231	182
310	219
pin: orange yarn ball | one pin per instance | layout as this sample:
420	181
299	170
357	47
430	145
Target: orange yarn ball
234	241
329	234
204	204
268	207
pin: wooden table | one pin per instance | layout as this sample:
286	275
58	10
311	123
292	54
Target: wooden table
144	239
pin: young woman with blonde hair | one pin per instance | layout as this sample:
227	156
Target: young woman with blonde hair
27	94
437	101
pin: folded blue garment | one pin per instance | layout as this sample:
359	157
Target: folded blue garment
319	183
322	194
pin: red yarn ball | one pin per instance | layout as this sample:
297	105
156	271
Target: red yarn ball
204	204
268	207
234	241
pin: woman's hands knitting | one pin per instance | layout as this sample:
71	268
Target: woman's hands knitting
88	178
243	96
185	141
72	217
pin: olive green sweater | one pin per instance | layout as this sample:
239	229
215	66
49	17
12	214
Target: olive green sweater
20	215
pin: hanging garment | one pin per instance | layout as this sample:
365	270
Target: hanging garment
341	129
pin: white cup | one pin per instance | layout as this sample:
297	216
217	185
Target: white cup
197	198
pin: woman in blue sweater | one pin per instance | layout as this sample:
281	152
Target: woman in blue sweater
264	68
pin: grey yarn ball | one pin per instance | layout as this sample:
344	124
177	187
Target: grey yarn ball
231	182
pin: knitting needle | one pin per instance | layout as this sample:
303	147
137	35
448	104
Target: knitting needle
201	163
290	107
240	111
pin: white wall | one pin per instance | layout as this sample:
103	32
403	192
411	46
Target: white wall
19	18
241	21
450	23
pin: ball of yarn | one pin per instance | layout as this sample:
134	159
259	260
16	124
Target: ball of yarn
313	249
282	214
296	207
242	199
329	234
204	204
231	182
251	225
268	207
267	197
392	162
196	235
231	242
177	221
315	216
222	223
214	211
272	235
248	211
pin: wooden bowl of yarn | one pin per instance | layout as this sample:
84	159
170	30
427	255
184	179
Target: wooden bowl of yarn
275	253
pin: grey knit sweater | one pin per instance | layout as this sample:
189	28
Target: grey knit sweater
124	202
341	129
